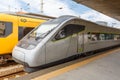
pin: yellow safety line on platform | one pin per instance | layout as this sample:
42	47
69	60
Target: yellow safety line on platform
73	66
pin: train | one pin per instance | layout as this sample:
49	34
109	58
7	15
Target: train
61	38
13	26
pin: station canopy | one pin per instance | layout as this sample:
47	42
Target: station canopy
107	7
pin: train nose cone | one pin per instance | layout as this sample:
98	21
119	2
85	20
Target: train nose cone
18	55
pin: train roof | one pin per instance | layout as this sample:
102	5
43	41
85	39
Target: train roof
90	26
31	15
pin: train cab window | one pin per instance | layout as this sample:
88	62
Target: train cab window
69	30
5	29
61	34
23	31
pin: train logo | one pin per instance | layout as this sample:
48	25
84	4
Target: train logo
23	20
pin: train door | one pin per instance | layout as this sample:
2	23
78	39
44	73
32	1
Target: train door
80	47
57	48
76	40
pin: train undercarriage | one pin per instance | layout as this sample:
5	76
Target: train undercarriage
5	58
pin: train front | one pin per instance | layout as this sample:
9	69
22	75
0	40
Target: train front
30	51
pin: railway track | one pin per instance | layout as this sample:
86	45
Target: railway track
14	75
11	70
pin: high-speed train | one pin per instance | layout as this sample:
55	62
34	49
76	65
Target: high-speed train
61	38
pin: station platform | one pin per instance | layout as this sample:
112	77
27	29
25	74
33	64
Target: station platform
107	68
104	66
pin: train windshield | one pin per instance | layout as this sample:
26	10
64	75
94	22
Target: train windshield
42	31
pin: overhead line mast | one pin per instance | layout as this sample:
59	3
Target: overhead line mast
41	6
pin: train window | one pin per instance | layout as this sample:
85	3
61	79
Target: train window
23	31
102	36
77	28
109	36
93	36
89	36
68	30
2	28
5	29
61	34
116	37
20	31
106	36
99	36
73	29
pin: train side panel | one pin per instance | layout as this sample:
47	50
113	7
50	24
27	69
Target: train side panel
91	46
29	22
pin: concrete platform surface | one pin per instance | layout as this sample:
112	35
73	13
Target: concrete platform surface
105	68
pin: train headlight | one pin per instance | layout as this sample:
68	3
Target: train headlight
23	45
30	46
26	45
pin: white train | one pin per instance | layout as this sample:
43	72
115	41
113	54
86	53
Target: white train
61	38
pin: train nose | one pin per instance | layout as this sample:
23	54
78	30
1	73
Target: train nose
18	56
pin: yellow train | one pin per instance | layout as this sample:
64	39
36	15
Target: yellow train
13	26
